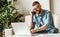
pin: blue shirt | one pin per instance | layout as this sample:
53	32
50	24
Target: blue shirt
44	19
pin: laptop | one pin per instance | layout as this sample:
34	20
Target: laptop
21	28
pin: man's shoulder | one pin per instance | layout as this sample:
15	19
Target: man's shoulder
46	11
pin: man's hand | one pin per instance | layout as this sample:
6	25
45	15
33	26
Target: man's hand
32	31
38	29
33	12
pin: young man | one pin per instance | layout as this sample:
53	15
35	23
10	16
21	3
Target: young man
42	19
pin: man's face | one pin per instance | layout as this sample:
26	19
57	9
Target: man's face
37	8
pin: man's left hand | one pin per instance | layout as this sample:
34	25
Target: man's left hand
33	31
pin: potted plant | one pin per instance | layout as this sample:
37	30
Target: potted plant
7	14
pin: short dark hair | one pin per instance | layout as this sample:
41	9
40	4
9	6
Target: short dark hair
35	2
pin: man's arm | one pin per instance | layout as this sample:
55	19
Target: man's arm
32	24
41	28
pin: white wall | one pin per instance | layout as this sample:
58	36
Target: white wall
25	6
57	6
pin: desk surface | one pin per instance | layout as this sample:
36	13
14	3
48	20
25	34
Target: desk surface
40	35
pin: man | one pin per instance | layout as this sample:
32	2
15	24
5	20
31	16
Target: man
42	19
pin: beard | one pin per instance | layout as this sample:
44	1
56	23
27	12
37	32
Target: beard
39	11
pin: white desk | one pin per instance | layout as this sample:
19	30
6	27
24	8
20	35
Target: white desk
40	35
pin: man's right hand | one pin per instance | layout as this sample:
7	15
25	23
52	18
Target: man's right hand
33	12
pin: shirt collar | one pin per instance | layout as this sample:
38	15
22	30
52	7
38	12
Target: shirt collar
37	15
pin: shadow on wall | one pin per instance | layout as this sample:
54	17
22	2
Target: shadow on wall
19	18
